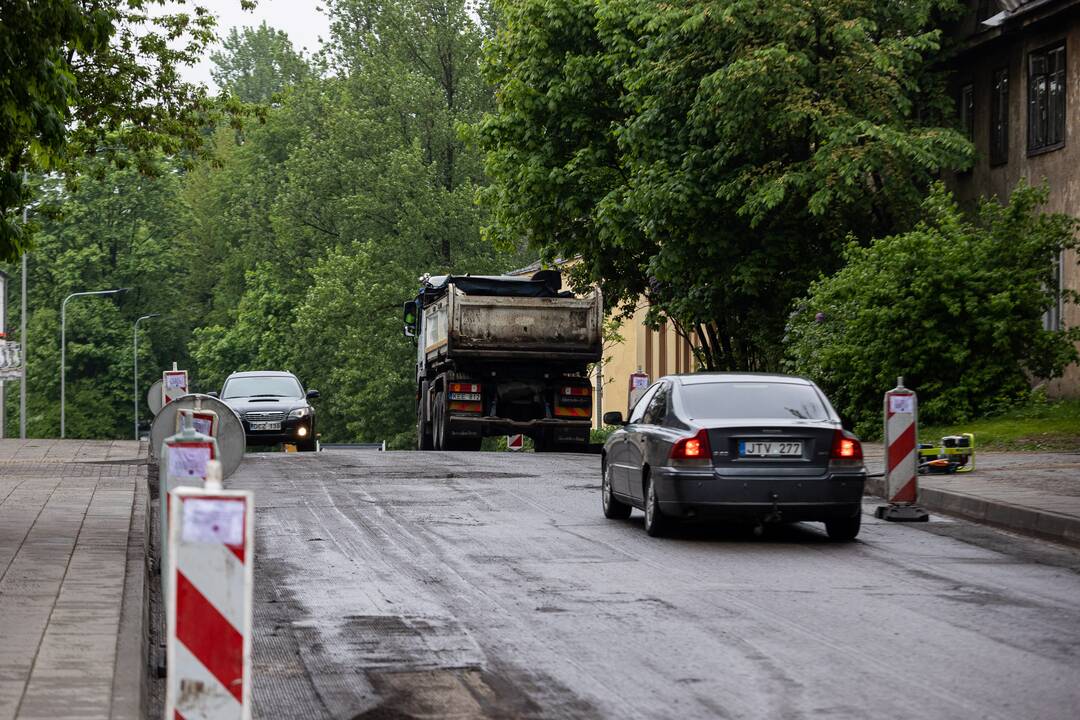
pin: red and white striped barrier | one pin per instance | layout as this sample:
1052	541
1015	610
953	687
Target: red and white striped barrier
210	566
174	384
901	455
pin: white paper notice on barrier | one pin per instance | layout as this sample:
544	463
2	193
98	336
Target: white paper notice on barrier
175	381
213	521
188	461
202	425
901	404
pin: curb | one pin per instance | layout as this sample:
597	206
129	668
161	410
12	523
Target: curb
1043	524
128	687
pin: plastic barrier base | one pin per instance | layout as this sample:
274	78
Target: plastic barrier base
902	513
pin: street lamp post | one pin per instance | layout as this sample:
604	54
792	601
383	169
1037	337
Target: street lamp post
63	344
22	332
136	355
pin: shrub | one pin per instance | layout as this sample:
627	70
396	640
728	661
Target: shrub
954	306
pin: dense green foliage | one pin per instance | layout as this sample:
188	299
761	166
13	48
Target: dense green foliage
295	247
954	306
713	155
321	223
117	228
96	78
716	156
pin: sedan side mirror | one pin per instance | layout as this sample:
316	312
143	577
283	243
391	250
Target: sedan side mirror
613	418
212	393
312	394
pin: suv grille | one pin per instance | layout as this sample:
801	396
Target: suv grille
264	416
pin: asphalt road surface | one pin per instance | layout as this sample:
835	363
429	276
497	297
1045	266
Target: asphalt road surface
483	585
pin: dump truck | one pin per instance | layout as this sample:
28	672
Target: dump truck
500	355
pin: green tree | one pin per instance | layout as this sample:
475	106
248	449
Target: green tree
95	78
954	306
324	219
257	63
116	228
712	155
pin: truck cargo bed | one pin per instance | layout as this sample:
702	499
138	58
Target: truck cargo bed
472	326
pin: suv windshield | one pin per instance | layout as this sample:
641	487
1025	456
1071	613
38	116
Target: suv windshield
265	386
753	400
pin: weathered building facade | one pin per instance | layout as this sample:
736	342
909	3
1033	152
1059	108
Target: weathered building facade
1017	84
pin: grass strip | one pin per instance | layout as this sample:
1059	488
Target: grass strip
1046	426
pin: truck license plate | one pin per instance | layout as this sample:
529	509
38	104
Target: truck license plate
475	397
265	426
758	448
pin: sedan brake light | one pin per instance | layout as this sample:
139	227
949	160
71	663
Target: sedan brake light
846	449
695	447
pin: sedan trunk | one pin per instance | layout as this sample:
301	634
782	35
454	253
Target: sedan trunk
799	448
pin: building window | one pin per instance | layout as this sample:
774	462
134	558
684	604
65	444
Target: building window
1046	99
999	117
967	111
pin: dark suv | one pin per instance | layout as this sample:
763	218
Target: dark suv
273	407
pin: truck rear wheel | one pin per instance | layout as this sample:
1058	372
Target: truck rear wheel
470	444
438	423
543	441
424	441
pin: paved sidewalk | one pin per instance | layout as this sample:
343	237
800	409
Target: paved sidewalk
66	510
1030	492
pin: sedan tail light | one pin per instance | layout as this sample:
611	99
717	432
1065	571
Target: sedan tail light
846	450
693	450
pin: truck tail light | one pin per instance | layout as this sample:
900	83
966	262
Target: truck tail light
574	401
464	387
465	397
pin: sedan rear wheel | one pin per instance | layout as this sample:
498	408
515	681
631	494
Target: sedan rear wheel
844	529
656	524
614	509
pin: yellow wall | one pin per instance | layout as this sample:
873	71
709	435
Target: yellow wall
655	352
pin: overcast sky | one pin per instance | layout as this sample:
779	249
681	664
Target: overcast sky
304	20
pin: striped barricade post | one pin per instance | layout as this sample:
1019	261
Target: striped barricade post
211	560
901	456
204	420
174	384
185	458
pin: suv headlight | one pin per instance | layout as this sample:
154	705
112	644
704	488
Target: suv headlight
300	412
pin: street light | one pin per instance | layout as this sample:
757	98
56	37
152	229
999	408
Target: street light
136	355
63	343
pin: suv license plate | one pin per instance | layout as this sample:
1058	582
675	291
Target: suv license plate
265	426
772	448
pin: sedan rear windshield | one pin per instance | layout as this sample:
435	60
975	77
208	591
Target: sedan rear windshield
269	386
753	400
